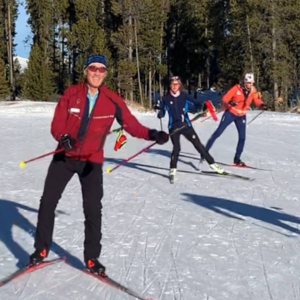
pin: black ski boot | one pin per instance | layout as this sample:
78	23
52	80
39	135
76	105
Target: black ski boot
37	257
239	163
94	266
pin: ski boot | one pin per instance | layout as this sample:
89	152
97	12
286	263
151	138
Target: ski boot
172	175
239	163
216	168
37	257
95	267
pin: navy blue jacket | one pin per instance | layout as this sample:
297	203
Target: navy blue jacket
178	108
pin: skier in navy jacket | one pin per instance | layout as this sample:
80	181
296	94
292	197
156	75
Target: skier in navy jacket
178	104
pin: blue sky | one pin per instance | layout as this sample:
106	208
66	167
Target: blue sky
22	30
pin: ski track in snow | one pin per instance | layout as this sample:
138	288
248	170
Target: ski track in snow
202	238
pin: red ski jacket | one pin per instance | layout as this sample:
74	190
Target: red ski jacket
69	114
236	94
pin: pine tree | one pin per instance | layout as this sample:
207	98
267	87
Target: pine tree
4	83
87	36
38	76
19	77
3	46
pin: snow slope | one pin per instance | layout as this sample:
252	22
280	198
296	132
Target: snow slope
23	62
203	238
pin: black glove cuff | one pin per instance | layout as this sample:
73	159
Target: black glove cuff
152	134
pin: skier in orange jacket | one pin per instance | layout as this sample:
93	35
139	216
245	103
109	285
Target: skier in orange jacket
238	100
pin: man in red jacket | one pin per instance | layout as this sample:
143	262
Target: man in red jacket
238	100
81	123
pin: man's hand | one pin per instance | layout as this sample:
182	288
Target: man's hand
160	137
67	142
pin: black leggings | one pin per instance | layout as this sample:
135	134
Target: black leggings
60	172
190	134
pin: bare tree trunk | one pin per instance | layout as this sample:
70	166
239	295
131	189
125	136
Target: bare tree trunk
145	86
138	63
160	60
286	98
9	53
207	60
63	66
119	87
130	56
150	88
199	80
250	44
274	48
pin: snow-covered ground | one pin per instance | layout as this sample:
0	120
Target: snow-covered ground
203	238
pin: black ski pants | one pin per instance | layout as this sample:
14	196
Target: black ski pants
60	171
190	134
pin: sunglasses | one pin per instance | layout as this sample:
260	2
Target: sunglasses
95	69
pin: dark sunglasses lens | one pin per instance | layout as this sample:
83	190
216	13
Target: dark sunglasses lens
95	69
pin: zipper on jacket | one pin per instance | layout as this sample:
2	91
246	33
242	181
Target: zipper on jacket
176	108
88	125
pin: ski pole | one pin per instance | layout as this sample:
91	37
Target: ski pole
161	125
199	115
214	116
255	117
24	163
293	109
109	170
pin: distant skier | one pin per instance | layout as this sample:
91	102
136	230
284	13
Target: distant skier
238	100
178	104
83	118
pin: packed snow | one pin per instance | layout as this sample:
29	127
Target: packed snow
202	238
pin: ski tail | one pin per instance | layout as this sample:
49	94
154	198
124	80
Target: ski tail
112	283
243	167
29	269
227	174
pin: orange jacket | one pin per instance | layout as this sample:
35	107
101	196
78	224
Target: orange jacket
236	94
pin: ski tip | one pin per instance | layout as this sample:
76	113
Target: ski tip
22	164
109	170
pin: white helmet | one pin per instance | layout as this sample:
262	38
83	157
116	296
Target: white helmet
249	77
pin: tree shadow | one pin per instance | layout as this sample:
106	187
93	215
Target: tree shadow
11	216
226	207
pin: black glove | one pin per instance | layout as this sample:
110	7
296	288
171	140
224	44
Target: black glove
67	142
160	137
160	114
263	107
232	103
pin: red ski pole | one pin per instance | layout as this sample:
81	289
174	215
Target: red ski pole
109	170
24	163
